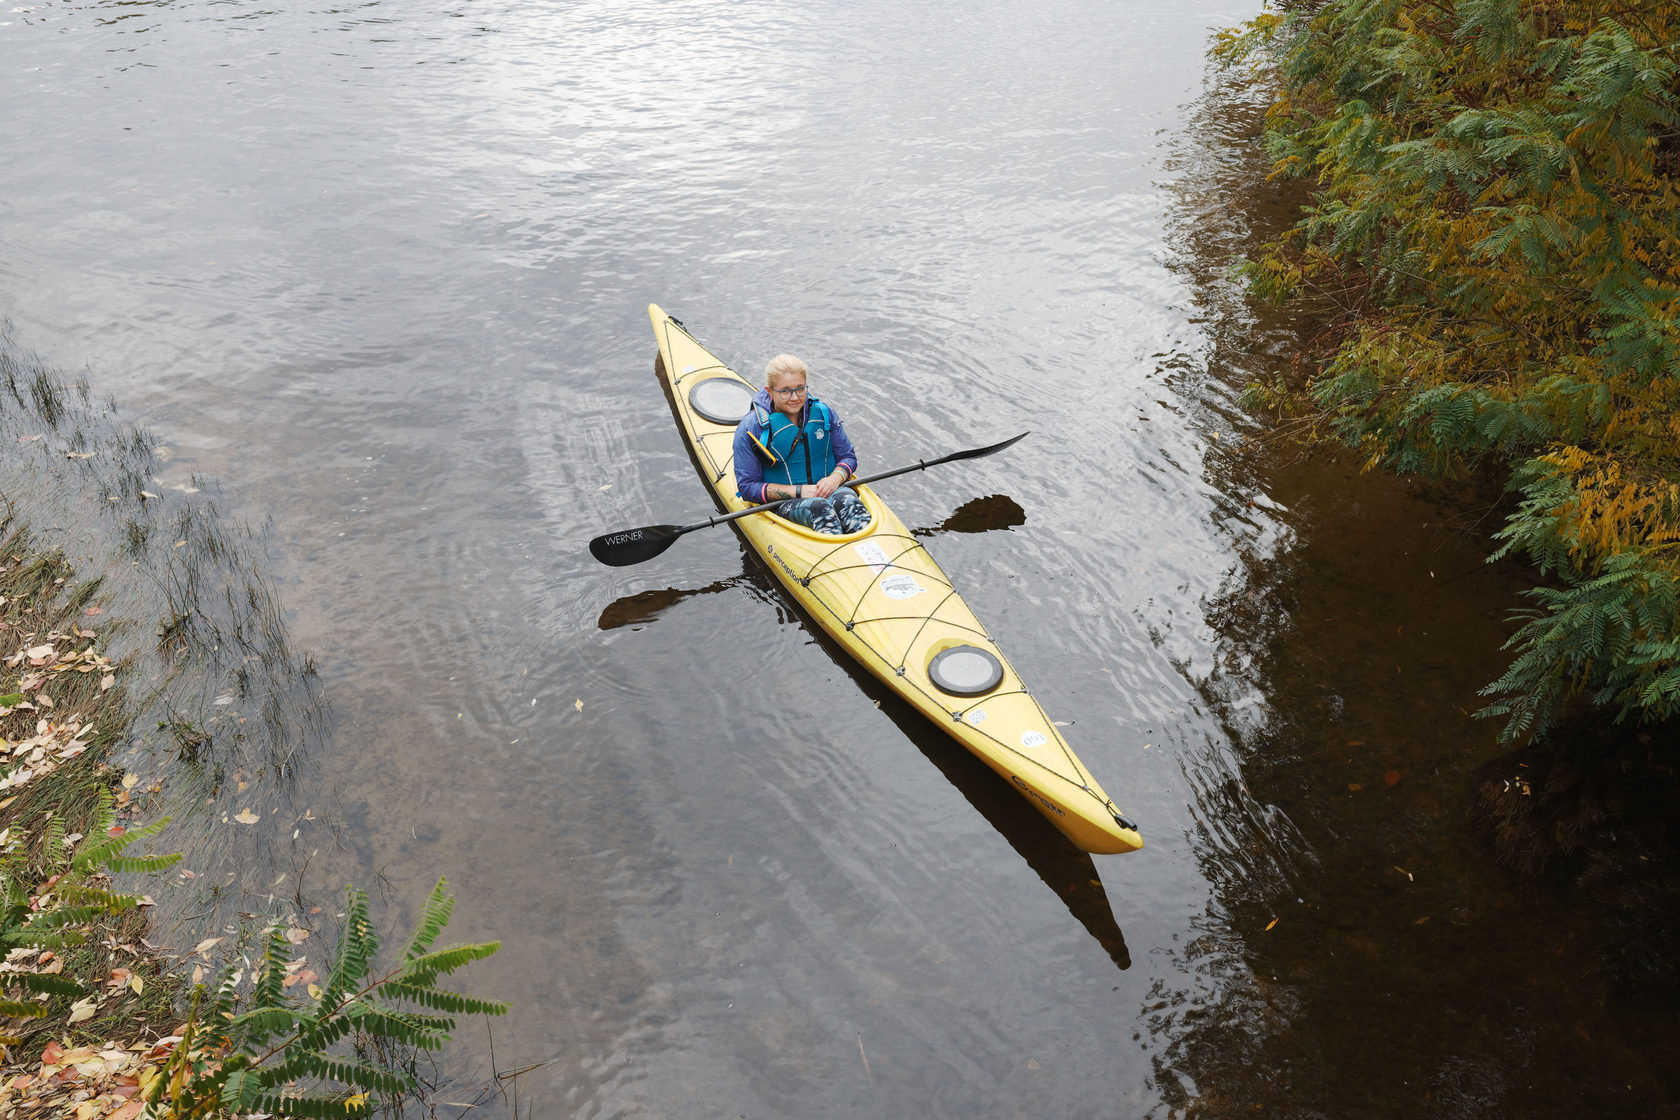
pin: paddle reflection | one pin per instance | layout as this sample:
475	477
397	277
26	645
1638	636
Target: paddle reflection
995	511
645	606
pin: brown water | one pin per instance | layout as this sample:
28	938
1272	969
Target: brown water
379	271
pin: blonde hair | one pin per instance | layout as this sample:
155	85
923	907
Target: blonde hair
784	364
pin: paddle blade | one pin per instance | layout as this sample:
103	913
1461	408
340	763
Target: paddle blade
979	451
632	546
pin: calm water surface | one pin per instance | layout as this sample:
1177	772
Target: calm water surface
380	270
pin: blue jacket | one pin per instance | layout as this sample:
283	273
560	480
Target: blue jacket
761	459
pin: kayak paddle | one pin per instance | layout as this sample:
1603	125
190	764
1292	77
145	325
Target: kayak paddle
632	546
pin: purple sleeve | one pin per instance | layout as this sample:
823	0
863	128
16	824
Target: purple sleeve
842	446
749	473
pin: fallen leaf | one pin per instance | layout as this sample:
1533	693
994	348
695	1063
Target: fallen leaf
314	991
209	943
578	705
1271	923
245	816
1392	777
198	973
1356	742
1354	787
147	494
136	985
94	610
130	780
82	1009
296	936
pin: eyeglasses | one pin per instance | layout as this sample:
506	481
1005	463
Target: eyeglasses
796	391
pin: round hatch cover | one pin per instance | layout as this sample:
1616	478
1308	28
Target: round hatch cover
722	400
965	671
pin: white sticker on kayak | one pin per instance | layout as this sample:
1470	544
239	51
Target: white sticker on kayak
975	715
690	369
1033	739
873	555
901	586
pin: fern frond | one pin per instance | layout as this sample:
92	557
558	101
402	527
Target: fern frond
439	999
429	966
357	946
18	1009
434	916
52	983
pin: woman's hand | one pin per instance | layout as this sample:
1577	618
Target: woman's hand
829	483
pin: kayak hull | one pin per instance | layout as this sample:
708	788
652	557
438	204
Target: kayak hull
882	598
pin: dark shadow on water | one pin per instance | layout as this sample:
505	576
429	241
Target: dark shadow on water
980	515
645	606
1400	971
1065	869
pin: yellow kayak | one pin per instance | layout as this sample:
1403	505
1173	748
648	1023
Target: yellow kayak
880	595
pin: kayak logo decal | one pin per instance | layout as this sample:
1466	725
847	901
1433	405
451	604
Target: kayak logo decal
770	551
1049	805
873	555
901	586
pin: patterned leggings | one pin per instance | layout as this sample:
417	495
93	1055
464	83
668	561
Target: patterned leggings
841	512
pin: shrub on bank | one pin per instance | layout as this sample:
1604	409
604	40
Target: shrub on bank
1496	236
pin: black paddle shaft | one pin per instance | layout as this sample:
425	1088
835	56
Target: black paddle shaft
632	546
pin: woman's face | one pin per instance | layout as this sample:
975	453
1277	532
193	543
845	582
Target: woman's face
787	393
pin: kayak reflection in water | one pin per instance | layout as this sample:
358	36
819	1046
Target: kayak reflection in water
791	445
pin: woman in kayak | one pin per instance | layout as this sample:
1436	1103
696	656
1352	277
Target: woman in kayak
791	445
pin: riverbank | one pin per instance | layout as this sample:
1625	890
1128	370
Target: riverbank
1488	317
90	1047
93	1026
1493	235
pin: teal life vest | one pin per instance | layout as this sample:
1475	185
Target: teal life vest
797	454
